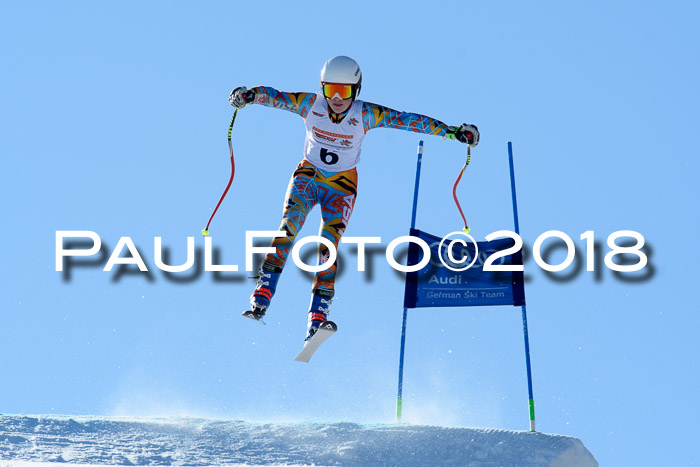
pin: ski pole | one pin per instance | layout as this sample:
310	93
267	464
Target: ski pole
454	188
205	232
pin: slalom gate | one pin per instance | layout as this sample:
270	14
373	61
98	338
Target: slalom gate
439	285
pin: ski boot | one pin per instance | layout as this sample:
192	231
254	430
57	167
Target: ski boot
264	290
320	308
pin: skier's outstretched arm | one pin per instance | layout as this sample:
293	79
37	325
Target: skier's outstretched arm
297	102
378	116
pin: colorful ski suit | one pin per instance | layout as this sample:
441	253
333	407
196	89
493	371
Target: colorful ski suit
327	175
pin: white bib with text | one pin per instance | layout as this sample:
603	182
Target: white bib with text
333	146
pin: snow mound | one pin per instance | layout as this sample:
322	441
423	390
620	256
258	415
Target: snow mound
189	441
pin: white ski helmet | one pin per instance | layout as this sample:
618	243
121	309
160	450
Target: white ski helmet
342	70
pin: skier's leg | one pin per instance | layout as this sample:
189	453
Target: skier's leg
299	200
321	299
337	193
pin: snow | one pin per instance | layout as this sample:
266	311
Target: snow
32	440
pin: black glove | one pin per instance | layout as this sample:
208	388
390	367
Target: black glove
465	133
240	96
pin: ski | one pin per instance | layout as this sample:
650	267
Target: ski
256	314
325	331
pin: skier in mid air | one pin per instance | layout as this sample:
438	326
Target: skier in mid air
336	123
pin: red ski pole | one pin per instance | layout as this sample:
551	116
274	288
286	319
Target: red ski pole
205	232
454	189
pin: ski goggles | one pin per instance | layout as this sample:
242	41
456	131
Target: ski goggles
344	91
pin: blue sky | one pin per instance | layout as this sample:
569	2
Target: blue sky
114	120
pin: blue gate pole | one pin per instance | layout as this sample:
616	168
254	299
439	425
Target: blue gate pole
531	399
399	402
